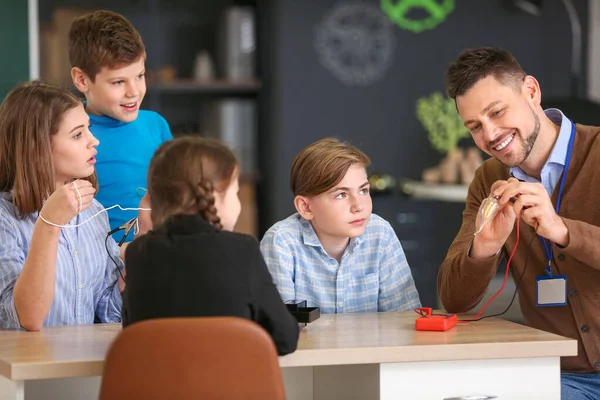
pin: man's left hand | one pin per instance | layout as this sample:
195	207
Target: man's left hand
536	209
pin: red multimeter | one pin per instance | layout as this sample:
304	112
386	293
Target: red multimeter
433	322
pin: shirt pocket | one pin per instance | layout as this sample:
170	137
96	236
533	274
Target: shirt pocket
362	293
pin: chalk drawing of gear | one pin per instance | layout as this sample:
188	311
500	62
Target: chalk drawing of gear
355	42
437	11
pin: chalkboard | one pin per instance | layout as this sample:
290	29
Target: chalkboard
14	44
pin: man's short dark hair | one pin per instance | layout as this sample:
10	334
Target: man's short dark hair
473	65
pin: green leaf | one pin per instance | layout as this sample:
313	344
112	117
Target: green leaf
440	119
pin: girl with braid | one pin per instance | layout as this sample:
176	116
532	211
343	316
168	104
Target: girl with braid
190	263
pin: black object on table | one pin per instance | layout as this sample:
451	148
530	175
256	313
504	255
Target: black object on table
301	312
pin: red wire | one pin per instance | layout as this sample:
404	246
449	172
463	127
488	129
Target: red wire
503	283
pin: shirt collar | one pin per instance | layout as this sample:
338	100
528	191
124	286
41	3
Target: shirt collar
559	151
103	120
186	225
310	238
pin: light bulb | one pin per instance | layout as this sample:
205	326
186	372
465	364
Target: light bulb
487	211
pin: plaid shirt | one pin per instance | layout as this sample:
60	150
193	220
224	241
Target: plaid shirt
373	274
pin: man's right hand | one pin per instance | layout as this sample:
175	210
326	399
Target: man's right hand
64	204
494	234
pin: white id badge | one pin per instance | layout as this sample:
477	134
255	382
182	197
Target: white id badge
551	290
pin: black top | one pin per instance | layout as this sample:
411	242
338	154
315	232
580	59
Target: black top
187	268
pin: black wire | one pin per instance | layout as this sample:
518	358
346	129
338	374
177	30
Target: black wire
112	259
516	289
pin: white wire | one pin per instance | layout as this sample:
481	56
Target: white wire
136	227
93	216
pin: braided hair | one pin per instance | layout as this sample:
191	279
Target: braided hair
184	175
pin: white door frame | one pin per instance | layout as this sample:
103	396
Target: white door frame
34	39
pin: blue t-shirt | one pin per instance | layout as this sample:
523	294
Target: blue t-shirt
124	155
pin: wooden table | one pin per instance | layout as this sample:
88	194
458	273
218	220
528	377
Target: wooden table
345	356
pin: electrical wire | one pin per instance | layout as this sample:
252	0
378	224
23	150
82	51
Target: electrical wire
478	317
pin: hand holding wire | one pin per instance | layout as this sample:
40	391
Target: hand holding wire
536	209
493	225
67	202
70	200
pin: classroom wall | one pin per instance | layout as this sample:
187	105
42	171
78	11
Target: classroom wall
307	101
594	50
14	66
307	97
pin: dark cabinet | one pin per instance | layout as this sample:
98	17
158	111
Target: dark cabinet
425	229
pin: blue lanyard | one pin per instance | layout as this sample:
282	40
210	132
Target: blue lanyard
548	248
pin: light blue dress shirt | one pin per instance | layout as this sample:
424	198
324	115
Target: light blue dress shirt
373	274
554	166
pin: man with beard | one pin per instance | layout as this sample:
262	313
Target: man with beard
542	172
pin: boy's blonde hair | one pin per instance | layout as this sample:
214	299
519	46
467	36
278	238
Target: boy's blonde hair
322	165
103	39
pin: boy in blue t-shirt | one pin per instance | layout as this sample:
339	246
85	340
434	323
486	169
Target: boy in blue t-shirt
108	66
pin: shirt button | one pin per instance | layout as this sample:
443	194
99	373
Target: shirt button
75	252
340	304
561	257
573	292
585	328
80	285
597	365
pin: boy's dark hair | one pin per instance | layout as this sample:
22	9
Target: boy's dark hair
473	65
103	39
322	165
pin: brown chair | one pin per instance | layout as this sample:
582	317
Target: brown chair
192	358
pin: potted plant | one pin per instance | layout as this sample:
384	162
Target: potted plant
438	115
